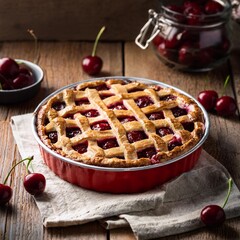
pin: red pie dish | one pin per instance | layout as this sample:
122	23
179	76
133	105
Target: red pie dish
120	134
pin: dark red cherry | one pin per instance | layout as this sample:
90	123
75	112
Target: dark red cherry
135	136
177	111
147	153
163	131
179	12
189	126
25	71
212	215
208	99
212	7
59	106
108	143
174	143
91	113
226	106
155	116
22	80
100	126
102	87
172	42
165	52
192	11
186	53
81	148
92	65
5	194
126	119
106	95
34	183
117	106
72	132
82	101
9	67
53	136
143	101
157	40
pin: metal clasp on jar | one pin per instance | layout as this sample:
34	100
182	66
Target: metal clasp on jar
160	26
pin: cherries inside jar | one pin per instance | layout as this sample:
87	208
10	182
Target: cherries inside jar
190	35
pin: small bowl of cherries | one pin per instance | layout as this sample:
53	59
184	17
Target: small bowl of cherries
19	80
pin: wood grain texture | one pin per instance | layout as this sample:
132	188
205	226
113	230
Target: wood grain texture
73	19
62	65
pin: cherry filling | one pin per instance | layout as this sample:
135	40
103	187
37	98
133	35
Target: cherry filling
72	132
163	131
168	98
135	136
52	136
81	148
90	113
102	87
108	143
100	126
117	106
147	153
174	143
189	126
59	106
126	119
134	90
143	101
81	101
69	116
46	121
177	111
106	95
155	116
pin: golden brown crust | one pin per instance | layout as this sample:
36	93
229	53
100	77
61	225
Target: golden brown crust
125	155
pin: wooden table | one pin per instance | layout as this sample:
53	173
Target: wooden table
61	62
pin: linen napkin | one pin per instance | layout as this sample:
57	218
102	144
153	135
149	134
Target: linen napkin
169	209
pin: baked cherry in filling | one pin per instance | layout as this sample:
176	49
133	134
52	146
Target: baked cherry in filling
163	131
90	113
177	111
52	136
143	101
59	106
81	148
174	143
106	95
189	126
155	116
101	87
81	101
108	143
135	136
126	119
147	153
168	98
117	106
100	126
72	132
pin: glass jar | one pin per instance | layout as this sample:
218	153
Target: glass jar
189	40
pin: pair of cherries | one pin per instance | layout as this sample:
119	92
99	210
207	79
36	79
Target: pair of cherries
34	183
225	106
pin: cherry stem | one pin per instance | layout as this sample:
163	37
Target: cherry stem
230	183
96	41
36	48
29	159
225	84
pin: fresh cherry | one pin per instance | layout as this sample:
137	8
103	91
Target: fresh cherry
226	106
9	67
22	80
214	215
5	194
34	183
92	64
213	7
208	99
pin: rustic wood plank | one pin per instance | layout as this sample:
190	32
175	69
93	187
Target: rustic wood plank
221	143
61	62
73	20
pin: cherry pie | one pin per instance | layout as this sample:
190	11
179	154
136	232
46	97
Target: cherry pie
115	123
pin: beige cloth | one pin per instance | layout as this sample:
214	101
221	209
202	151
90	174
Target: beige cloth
166	210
